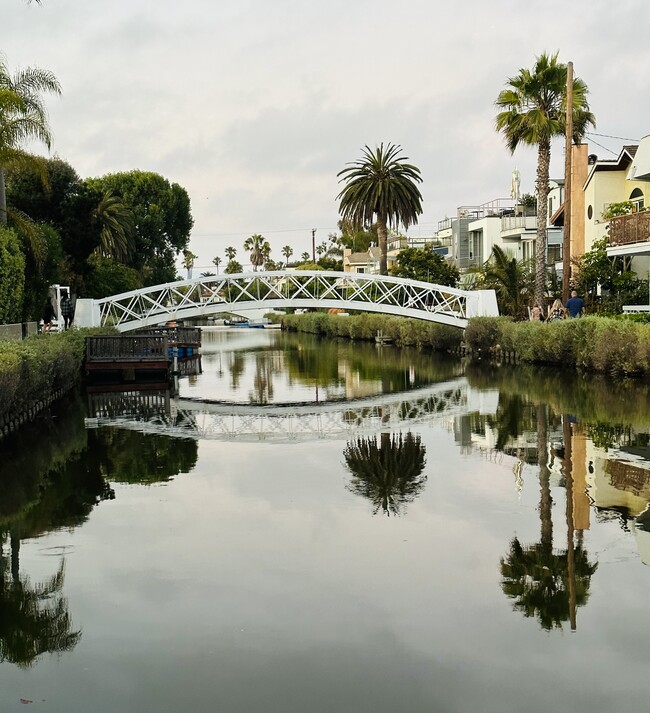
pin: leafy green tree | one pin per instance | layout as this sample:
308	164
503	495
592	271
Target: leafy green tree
532	111
42	200
38	277
12	277
381	184
22	119
259	248
511	279
426	265
107	277
612	276
162	218
388	473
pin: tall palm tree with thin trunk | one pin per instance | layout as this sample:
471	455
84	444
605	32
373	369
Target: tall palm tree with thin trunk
216	262
287	251
259	249
230	253
532	110
22	118
384	185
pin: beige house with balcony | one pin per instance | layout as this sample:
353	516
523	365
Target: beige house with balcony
629	235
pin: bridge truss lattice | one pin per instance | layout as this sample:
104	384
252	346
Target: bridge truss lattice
299	289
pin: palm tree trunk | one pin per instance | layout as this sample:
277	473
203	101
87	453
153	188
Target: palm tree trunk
543	167
3	198
382	234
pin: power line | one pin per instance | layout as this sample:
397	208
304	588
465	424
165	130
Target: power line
604	147
607	136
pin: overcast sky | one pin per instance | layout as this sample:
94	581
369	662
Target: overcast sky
254	106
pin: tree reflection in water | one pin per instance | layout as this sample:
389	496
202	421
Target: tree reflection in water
34	618
546	583
389	474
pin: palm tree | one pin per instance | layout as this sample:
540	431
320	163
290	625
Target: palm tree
381	184
230	253
259	249
532	110
287	251
22	118
305	257
216	262
188	262
510	279
117	227
389	474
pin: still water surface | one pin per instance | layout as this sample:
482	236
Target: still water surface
322	526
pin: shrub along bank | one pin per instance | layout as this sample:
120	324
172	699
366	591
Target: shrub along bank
35	372
402	331
600	344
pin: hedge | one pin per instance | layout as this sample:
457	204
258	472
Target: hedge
599	344
364	327
33	372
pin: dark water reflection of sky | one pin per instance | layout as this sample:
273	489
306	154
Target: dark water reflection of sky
257	578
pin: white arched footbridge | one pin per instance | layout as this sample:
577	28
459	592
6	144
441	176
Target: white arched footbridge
277	290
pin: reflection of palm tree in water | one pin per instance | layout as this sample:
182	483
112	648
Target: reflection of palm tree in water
543	583
267	365
389	474
34	618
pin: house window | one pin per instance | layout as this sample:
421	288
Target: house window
637	200
554	254
361	269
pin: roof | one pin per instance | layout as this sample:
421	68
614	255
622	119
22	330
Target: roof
640	168
620	163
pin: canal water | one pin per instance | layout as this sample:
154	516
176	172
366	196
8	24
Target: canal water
325	526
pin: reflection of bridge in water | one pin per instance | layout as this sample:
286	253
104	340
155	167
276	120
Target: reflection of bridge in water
156	412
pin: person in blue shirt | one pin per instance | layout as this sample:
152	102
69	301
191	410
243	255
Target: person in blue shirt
575	305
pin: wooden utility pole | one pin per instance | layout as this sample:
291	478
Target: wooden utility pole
313	244
566	242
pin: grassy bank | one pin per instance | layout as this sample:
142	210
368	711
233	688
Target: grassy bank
403	332
597	344
36	371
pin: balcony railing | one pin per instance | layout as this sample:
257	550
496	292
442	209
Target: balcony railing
627	229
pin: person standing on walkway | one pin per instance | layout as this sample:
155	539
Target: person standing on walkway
575	305
66	309
556	312
48	315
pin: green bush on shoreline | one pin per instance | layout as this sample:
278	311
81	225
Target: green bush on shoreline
34	370
364	327
600	344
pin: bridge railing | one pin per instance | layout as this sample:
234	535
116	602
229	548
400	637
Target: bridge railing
223	293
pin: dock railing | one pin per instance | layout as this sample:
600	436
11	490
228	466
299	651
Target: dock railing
123	348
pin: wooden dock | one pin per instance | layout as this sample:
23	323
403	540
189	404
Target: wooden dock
154	353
